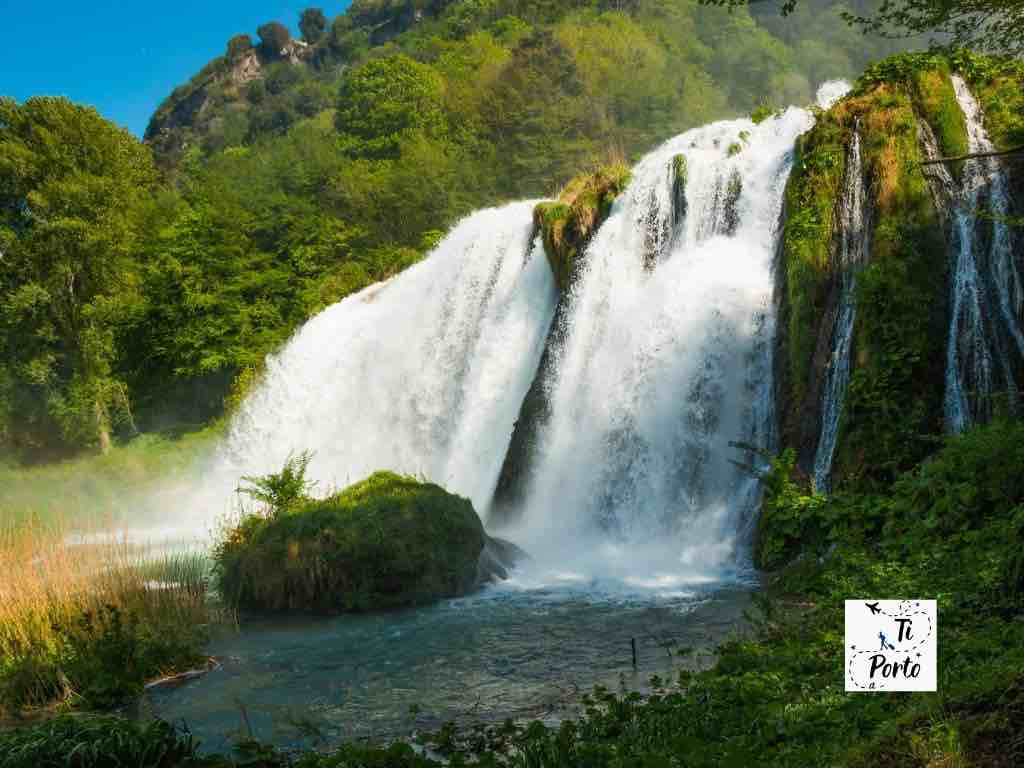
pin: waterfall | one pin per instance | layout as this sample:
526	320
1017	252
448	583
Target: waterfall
853	252
984	273
664	364
423	374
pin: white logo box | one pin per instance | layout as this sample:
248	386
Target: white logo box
891	645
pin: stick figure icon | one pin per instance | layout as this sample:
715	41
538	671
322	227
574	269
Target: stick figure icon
885	644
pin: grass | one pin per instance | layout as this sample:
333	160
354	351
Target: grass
86	625
583	204
101	489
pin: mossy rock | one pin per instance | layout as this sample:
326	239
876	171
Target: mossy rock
568	223
386	542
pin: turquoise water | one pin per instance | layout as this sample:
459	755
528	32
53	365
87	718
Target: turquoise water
515	650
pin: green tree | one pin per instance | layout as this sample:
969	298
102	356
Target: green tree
384	101
274	38
312	23
73	191
994	26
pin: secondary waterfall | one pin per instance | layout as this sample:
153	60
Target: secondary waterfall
854	249
986	287
665	363
423	374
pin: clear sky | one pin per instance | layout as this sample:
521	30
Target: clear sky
124	58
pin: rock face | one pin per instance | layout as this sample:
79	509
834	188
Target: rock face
386	542
902	110
568	224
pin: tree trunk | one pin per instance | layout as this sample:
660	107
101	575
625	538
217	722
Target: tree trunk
102	428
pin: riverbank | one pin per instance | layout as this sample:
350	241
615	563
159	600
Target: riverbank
950	530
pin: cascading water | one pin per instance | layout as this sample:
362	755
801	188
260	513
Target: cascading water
663	366
423	374
853	252
977	359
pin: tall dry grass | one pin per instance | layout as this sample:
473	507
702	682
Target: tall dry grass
88	621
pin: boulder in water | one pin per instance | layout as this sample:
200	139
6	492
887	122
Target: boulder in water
386	542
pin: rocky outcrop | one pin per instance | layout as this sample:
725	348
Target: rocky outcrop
386	542
905	110
568	223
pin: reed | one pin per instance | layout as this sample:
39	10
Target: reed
86	621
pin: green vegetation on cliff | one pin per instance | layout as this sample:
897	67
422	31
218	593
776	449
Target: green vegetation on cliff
893	408
567	224
385	542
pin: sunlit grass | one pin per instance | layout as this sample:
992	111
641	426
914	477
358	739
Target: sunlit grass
89	623
114	488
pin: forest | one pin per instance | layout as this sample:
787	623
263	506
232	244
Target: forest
291	173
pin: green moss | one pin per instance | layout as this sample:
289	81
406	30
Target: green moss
386	542
679	169
998	84
762	113
894	401
568	224
734	149
810	205
936	100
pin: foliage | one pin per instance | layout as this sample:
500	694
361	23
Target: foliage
95	741
568	224
91	623
385	101
282	491
312	24
71	205
385	542
994	26
274	38
806	238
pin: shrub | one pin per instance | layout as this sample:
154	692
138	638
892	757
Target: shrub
312	24
95	742
386	542
91	624
274	38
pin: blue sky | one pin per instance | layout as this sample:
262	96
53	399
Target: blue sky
124	58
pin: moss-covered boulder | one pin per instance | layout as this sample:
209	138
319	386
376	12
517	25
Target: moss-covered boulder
386	542
568	223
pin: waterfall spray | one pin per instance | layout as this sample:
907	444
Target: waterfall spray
665	364
423	374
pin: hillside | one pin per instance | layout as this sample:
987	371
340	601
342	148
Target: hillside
295	172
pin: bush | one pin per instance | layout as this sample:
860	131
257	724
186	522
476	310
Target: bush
274	38
312	24
95	742
386	542
238	46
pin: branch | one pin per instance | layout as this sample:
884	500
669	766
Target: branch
973	155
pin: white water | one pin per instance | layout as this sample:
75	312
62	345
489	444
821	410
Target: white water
853	253
975	355
662	367
422	375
